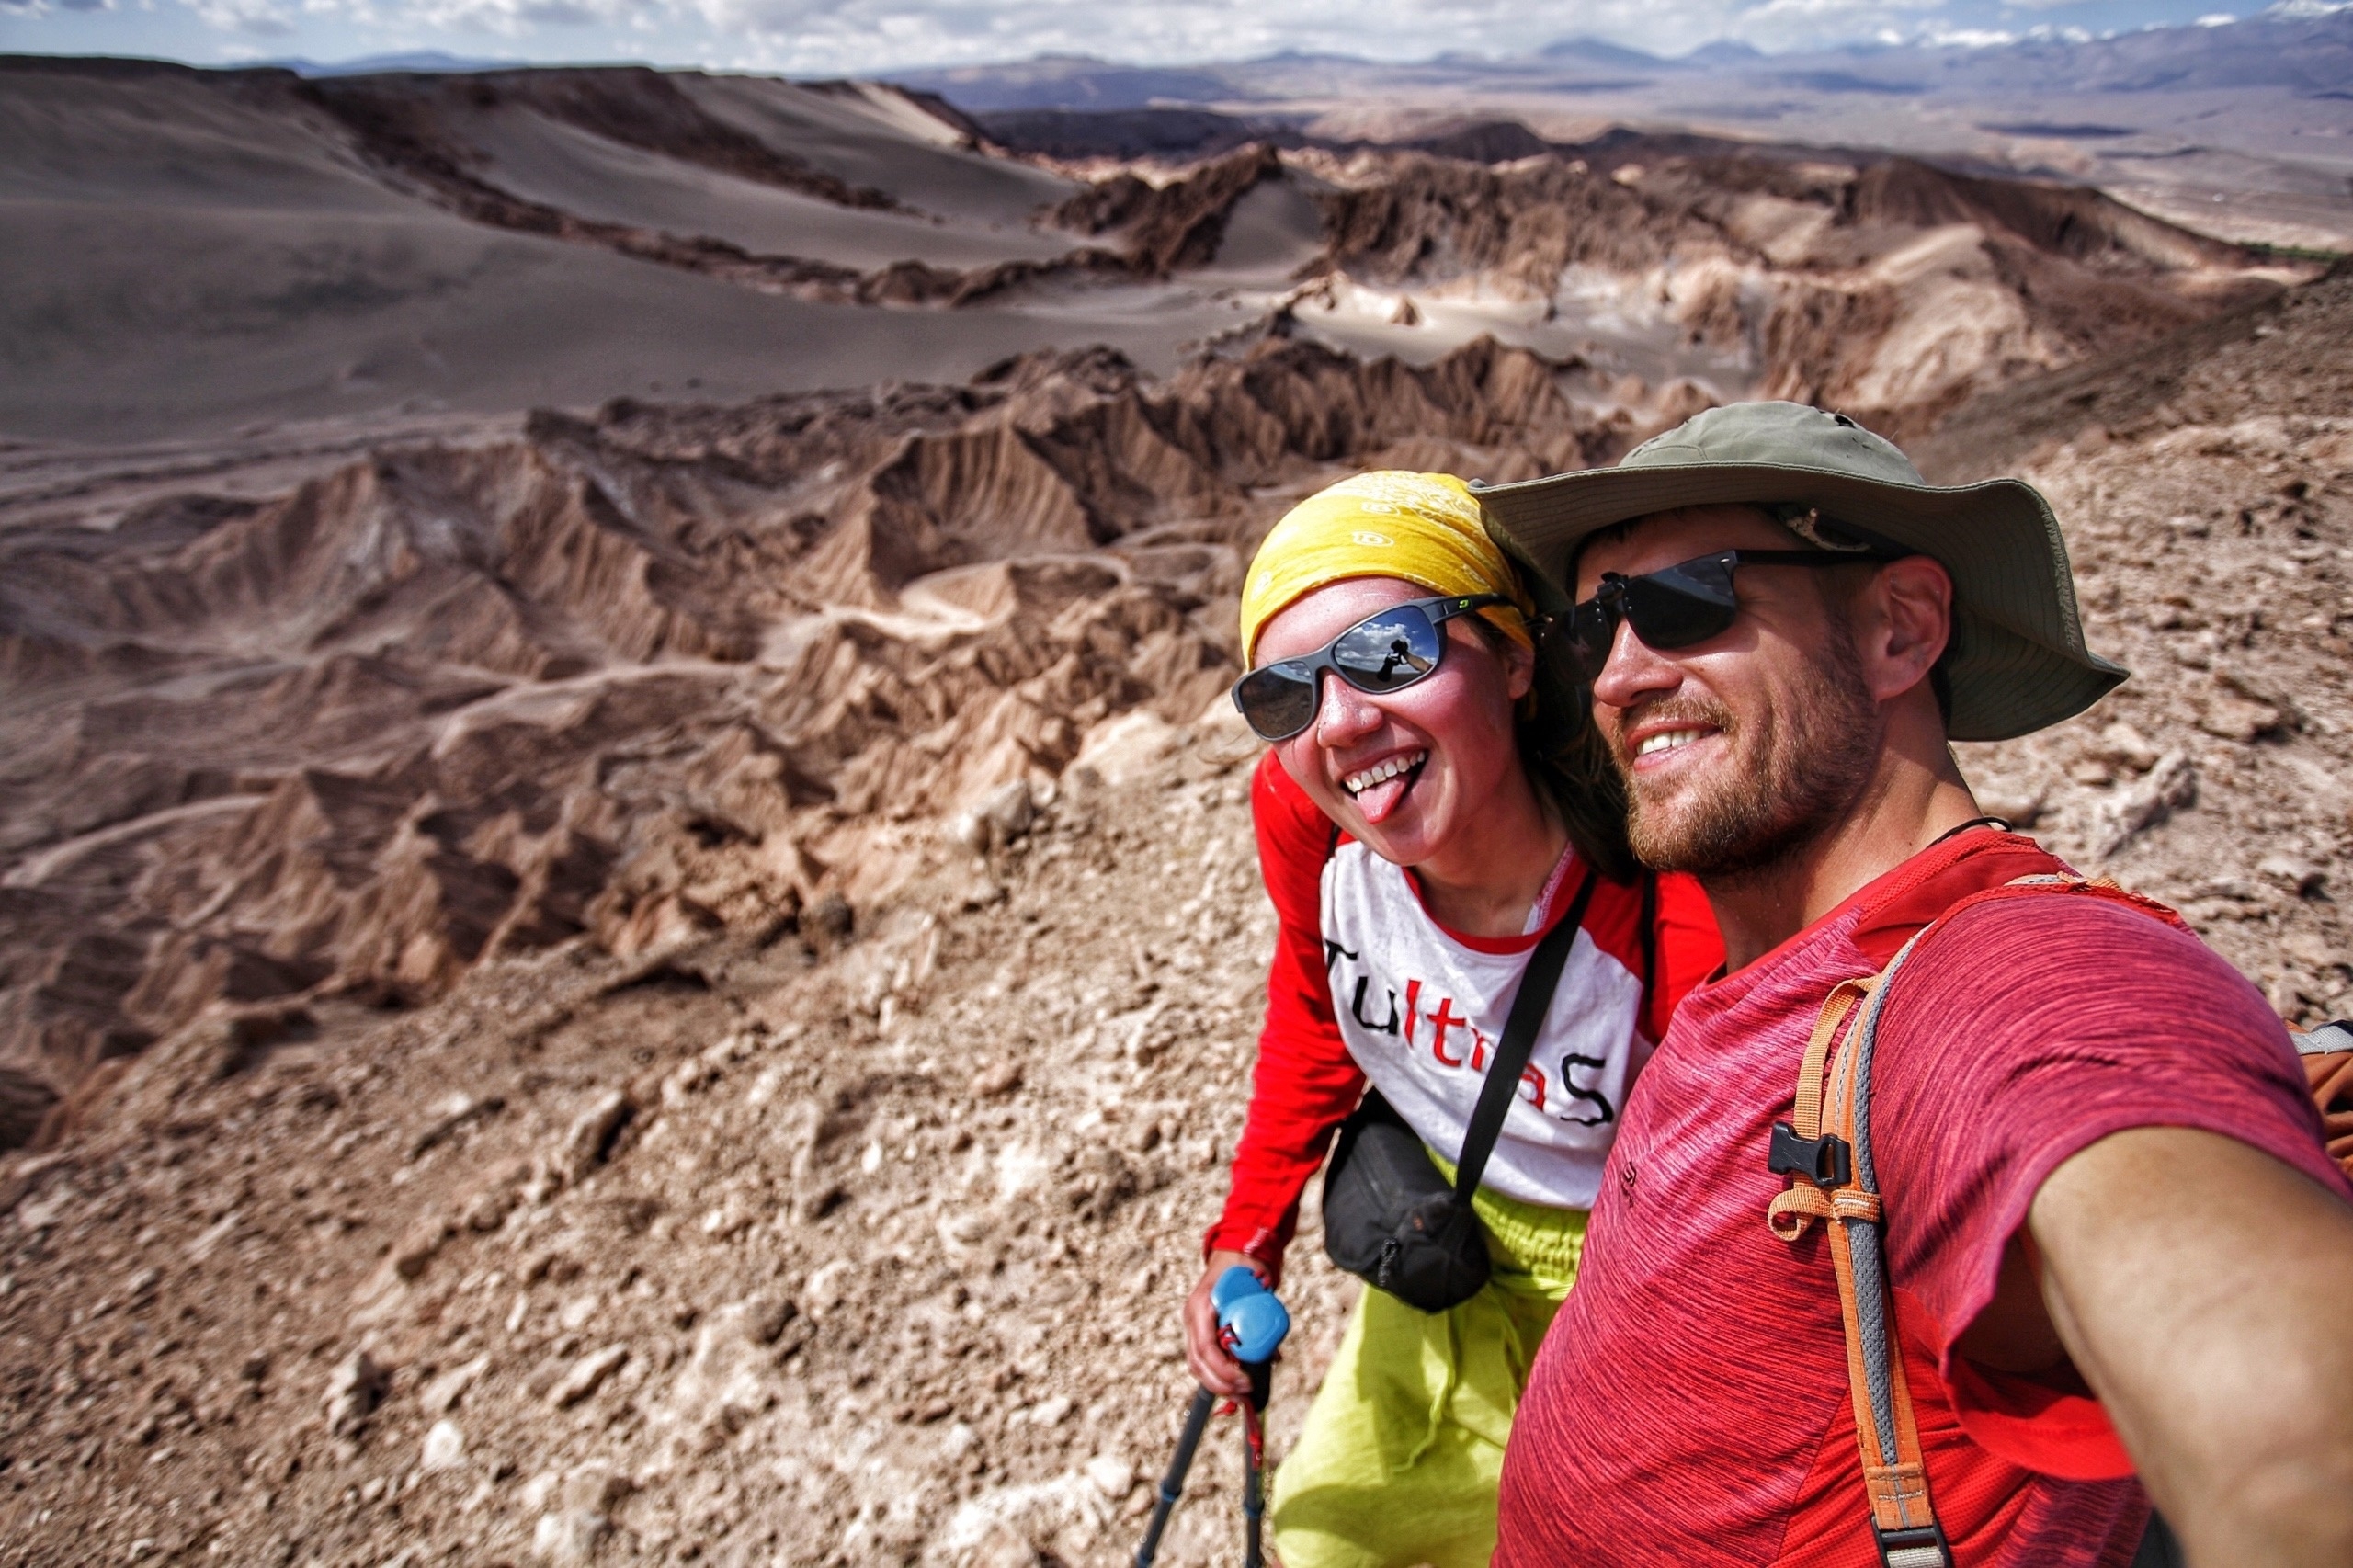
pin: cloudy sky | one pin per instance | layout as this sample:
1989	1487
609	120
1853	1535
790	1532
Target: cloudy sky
845	37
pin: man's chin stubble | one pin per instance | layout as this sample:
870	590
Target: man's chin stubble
1778	805
1737	835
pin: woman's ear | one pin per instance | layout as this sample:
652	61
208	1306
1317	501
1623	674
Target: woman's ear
1519	668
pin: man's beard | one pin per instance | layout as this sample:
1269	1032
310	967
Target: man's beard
1818	747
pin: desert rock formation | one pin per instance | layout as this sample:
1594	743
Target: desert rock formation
858	1238
449	704
1882	286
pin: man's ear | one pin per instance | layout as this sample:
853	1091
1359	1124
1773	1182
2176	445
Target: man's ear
1913	622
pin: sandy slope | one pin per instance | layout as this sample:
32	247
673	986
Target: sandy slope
296	286
872	135
580	172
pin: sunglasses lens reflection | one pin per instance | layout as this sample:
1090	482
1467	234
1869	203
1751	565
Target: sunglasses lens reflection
1384	653
1392	649
1278	701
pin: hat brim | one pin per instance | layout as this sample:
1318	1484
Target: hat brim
2017	662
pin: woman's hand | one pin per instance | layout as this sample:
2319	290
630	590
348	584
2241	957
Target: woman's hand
1217	1373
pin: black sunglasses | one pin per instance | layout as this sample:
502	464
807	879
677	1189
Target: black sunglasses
1387	651
1681	605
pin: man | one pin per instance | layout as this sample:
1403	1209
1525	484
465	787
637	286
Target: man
2117	1246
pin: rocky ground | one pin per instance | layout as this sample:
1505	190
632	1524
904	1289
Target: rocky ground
863	1247
809	1168
2210	520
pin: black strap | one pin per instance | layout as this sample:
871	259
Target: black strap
1527	1016
1957	829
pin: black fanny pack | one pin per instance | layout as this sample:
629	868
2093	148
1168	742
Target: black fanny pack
1389	1217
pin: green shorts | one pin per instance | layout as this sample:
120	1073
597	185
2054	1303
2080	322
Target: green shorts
1403	1447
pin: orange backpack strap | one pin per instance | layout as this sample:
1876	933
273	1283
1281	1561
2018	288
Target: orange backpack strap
1826	1148
2327	1053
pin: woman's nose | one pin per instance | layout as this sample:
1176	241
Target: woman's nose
1343	715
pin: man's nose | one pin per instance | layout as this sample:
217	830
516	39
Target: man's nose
1634	670
1343	715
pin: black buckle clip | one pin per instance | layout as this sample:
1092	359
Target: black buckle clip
1922	1548
1825	1161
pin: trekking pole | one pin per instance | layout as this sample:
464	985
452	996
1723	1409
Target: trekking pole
1172	1485
1250	1325
1253	1500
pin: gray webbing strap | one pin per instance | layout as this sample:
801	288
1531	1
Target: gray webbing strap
1866	1260
1863	1235
2326	1041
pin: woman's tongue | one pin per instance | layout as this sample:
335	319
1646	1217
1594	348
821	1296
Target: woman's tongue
1379	802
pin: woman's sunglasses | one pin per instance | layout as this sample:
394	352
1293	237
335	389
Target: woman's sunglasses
1682	605
1387	651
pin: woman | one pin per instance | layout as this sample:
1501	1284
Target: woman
1418	838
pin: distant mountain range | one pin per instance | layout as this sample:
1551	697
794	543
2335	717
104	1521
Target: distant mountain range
430	61
2303	46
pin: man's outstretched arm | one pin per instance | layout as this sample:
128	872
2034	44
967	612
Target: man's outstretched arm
2205	1292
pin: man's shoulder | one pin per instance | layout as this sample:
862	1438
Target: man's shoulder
2011	933
2051	971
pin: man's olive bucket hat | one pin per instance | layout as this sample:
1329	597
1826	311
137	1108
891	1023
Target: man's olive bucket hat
2017	661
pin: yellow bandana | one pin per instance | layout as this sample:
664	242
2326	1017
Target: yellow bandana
1419	528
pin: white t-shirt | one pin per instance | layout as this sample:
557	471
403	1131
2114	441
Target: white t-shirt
1420	1009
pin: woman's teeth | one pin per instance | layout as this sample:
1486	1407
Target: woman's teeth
1668	740
1358	783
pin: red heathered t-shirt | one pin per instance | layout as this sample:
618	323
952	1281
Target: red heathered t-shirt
1690	1403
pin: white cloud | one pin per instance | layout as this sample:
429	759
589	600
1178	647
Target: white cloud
254	18
842	36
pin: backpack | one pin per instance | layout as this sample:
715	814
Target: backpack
1825	1147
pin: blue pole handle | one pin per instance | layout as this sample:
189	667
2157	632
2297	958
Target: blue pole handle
1251	1320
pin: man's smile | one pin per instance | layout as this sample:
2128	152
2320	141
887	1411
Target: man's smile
1668	740
1657	741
